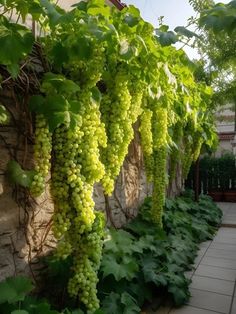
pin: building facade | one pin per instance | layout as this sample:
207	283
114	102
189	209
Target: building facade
226	129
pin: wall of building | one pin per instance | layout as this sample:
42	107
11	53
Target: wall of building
225	118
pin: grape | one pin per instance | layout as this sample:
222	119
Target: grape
42	155
160	132
116	108
76	167
147	141
175	153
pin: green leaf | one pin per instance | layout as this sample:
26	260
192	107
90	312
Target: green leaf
57	110
82	5
111	304
20	312
130	304
14	289
120	241
13	69
16	42
180	295
167	38
4	115
81	49
37	104
131	20
149	268
127	51
119	268
19	176
51	11
181	30
35	306
96	95
58	83
95	10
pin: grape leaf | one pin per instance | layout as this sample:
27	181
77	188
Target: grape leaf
19	176
121	241
180	295
130	304
51	11
34	306
111	304
181	30
16	42
127	51
56	109
167	38
14	289
4	116
118	268
149	267
56	82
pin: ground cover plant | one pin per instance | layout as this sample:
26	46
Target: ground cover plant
140	262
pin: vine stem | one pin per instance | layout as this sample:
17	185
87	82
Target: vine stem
108	210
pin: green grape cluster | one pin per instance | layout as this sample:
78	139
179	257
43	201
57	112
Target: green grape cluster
71	193
42	155
136	89
159	184
76	167
116	109
197	145
159	126
147	141
86	261
175	152
160	132
187	158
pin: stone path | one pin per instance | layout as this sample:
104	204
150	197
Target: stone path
214	278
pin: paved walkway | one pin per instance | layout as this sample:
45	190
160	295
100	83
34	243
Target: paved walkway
213	280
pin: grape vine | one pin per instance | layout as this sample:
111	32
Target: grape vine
108	72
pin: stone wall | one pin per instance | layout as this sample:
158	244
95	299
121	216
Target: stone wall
24	222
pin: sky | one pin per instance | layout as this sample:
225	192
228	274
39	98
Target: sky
175	12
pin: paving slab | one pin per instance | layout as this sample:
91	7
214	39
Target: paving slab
210	301
191	310
225	235
226	240
205	244
216	272
223	246
227	254
219	262
213	285
226	230
233	308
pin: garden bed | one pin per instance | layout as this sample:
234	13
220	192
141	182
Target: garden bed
141	263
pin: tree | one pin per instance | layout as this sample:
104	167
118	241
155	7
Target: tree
217	47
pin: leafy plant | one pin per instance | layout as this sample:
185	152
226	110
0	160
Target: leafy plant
143	255
14	298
